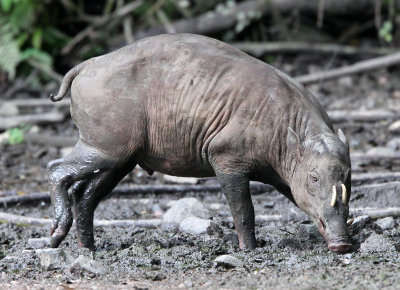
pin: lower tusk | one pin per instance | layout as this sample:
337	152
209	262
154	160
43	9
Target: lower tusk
350	222
334	196
344	194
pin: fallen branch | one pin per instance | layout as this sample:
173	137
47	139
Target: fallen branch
258	49
359	67
379	158
376	189
131	190
14	121
369	116
377	213
18	219
377	177
215	21
259	219
49	140
38	102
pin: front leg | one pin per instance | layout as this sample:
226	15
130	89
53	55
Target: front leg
235	187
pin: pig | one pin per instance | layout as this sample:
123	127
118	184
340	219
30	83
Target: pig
189	105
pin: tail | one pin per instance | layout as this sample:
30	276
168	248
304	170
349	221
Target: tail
66	82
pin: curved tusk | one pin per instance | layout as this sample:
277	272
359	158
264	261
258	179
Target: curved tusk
344	193
334	196
350	221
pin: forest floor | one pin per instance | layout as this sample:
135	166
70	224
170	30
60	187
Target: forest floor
291	254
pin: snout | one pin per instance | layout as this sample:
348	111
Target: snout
337	244
339	247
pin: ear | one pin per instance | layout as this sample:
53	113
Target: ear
293	143
342	137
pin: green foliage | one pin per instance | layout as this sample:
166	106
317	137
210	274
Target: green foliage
386	31
16	136
27	33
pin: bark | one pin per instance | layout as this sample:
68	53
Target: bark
14	121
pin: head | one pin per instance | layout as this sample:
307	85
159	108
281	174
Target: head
320	183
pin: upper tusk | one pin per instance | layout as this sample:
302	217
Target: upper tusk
350	221
344	194
334	196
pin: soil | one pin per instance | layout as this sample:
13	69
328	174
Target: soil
162	258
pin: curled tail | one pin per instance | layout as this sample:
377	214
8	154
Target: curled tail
66	82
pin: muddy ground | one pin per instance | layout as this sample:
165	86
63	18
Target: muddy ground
290	255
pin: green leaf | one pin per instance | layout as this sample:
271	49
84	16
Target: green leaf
6	5
39	55
37	38
16	136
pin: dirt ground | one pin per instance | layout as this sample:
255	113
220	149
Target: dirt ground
290	253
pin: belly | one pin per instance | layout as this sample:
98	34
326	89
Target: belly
175	166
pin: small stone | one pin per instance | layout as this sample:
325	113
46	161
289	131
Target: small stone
39	243
380	151
308	232
188	283
53	259
198	226
86	264
228	262
8	109
395	127
396	94
346	81
360	222
377	243
215	206
386	223
180	180
394	144
184	208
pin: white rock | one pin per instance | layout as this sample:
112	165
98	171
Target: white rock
39	243
395	126
198	226
179	179
8	109
184	208
386	223
53	259
394	144
65	151
228	261
377	243
86	264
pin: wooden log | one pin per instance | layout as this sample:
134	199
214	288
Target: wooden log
50	140
371	177
38	102
23	220
375	213
359	67
132	190
368	116
14	121
258	49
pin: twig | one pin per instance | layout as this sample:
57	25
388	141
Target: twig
14	121
259	49
18	219
359	67
118	14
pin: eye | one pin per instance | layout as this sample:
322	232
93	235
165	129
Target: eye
314	177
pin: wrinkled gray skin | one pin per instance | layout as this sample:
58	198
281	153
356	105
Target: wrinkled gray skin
188	105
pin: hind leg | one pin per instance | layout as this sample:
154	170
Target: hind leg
83	162
87	195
